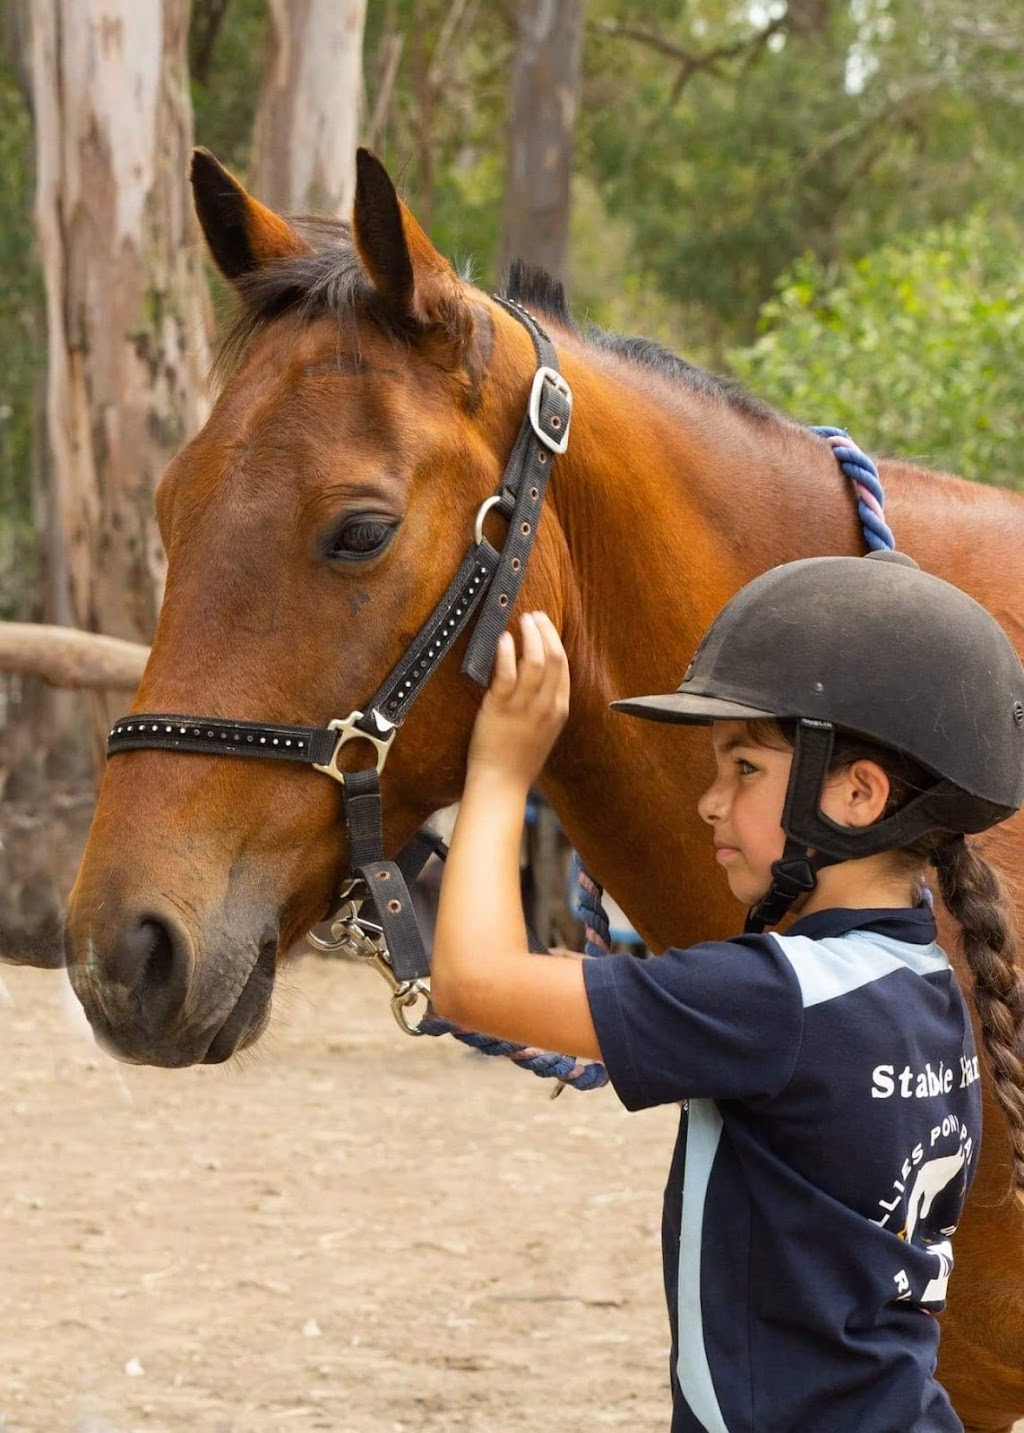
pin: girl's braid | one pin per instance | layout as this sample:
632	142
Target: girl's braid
974	895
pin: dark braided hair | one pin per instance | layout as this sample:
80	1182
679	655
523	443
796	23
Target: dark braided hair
974	896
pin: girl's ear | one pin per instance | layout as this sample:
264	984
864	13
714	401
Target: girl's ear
242	233
858	795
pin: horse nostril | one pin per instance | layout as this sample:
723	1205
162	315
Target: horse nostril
159	966
151	960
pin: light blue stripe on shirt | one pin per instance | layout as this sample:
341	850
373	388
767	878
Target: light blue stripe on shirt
835	966
704	1130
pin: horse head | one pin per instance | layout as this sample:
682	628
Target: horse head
369	401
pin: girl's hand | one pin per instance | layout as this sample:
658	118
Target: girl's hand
526	704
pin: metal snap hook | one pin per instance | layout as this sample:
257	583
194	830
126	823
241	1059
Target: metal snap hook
403	1000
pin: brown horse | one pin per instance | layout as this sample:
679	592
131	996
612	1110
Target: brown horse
369	404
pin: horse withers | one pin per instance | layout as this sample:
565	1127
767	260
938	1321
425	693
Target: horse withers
370	400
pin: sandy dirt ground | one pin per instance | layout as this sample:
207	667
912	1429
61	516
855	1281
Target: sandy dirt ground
345	1229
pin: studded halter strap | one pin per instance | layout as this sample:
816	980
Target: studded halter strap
488	578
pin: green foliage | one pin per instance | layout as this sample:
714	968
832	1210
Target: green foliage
916	348
733	151
227	70
716	141
21	325
443	136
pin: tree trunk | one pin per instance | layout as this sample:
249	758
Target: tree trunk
125	297
542	113
304	142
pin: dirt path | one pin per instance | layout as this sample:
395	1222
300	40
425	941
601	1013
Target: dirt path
346	1230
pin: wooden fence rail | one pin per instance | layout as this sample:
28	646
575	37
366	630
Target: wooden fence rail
66	657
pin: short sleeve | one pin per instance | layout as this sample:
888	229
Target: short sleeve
719	1020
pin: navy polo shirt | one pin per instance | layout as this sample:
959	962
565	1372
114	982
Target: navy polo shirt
832	1130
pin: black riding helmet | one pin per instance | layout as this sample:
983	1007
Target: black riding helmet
876	647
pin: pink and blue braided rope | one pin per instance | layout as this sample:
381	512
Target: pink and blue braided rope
580	1074
862	472
589	1075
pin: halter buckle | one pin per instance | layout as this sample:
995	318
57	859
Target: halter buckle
552	376
348	729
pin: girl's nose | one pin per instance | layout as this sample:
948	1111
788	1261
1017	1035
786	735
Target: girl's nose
711	805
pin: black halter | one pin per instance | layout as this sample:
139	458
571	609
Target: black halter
488	579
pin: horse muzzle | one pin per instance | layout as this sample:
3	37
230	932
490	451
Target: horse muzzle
154	996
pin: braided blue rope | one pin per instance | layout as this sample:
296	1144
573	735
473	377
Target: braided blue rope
580	1074
862	472
589	909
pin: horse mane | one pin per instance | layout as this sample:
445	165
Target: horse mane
536	289
330	281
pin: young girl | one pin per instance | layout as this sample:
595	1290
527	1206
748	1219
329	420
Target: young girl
863	716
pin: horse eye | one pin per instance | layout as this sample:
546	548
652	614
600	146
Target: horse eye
361	537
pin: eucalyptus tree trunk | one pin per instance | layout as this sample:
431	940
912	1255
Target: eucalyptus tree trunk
125	296
307	124
542	116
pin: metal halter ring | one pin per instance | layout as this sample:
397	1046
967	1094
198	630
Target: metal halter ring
478	527
350	934
349	730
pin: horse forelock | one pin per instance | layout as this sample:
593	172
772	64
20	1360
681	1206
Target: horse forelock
327	281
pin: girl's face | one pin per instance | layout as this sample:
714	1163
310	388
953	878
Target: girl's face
743	807
744	804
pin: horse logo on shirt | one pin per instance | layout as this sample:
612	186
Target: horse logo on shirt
937	1189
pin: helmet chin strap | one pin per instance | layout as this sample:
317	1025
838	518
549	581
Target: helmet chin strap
795	873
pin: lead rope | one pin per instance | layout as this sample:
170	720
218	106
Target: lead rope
597	934
580	1074
862	472
586	1075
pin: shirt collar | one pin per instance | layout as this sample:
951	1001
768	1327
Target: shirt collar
915	924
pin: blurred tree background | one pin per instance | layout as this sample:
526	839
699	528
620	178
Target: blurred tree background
824	197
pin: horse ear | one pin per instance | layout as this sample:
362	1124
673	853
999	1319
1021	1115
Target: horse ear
405	268
242	233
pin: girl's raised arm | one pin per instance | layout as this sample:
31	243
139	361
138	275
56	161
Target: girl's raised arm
483	973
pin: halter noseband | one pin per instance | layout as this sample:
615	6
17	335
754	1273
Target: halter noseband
488	578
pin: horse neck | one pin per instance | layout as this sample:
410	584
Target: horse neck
668	501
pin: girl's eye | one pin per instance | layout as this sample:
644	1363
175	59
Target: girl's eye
361	537
745	768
